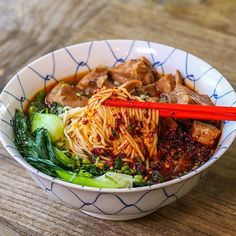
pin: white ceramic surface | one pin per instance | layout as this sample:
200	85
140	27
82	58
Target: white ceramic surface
114	204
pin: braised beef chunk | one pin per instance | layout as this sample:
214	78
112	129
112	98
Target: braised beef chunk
136	69
131	84
149	89
66	95
178	77
95	79
165	84
172	88
205	133
182	94
168	97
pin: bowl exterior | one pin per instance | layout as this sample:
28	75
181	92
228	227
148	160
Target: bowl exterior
103	203
118	206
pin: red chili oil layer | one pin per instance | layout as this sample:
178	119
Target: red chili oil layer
179	153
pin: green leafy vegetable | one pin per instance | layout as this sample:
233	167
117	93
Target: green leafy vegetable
37	145
78	94
143	97
108	180
23	139
44	146
87	153
64	159
115	133
51	122
38	105
90	169
127	170
56	108
41	141
86	161
45	166
91	158
120	180
118	163
138	181
163	99
38	150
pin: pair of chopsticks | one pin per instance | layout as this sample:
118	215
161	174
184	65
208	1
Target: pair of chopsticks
184	111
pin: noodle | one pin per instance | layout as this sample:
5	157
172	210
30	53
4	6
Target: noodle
111	131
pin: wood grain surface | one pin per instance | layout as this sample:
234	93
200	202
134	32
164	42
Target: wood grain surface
31	28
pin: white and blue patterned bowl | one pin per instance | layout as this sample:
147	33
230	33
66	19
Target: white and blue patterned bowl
114	204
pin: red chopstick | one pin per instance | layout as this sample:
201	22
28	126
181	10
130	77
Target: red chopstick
185	111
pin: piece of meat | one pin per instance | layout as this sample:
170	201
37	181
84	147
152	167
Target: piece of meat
66	95
165	84
136	69
205	133
95	79
157	75
149	89
182	94
131	84
178	77
168	98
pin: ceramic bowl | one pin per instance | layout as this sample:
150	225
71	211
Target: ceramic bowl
114	204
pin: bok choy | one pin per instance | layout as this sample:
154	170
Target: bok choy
37	149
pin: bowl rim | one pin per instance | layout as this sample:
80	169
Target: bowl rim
30	168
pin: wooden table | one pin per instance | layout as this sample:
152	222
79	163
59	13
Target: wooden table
30	29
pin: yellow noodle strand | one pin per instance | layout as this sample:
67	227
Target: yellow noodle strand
108	128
